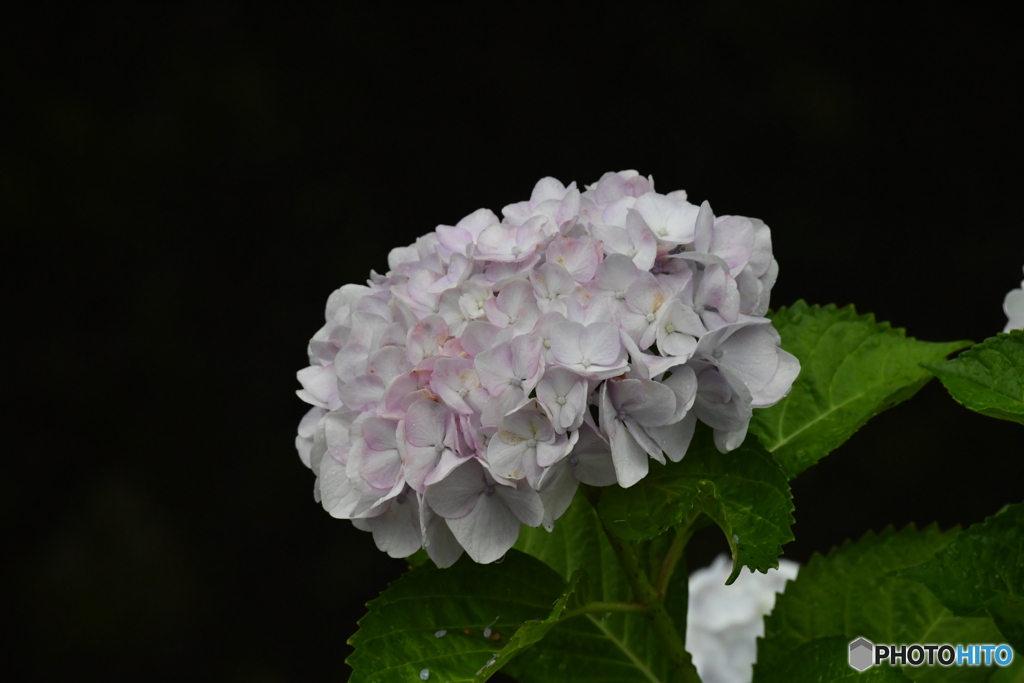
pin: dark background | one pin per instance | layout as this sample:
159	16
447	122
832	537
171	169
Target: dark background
181	188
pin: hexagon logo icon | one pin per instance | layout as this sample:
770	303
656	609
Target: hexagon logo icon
861	654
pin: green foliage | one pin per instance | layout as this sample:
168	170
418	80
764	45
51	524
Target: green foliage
988	378
529	633
852	368
612	646
825	659
853	593
982	571
744	492
397	638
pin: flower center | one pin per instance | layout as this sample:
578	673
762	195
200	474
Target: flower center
670	328
560	400
531	443
650	317
463	391
585	362
547	343
717	353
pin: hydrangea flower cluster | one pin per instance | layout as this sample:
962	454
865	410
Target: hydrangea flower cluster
501	362
1013	307
724	622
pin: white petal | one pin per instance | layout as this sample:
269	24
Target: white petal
488	531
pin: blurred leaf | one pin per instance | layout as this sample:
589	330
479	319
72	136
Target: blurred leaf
983	571
744	492
988	378
852	593
852	368
825	659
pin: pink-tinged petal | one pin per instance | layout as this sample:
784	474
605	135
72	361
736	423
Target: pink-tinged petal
550	452
615	212
615	274
643	438
509	401
457	494
448	461
730	441
721	404
318	384
614	240
551	282
631	461
733	241
427	338
781	382
556	492
547	188
454	239
505	452
568	210
389	363
704	228
591	459
523	502
380	469
600	343
337	492
717	290
683	383
644	296
480	336
675	438
457	383
438	540
426	423
645	247
670	219
579	256
495	368
397	530
309	421
488	531
496	243
527	361
565	343
379	434
653	405
403	392
362	393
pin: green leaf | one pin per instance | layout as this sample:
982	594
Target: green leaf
988	378
744	492
397	639
825	659
853	593
852	368
613	646
983	571
529	634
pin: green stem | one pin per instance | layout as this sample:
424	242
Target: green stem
601	607
675	552
646	594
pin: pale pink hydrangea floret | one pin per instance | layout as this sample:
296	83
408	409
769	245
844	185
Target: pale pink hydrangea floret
502	362
1013	306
